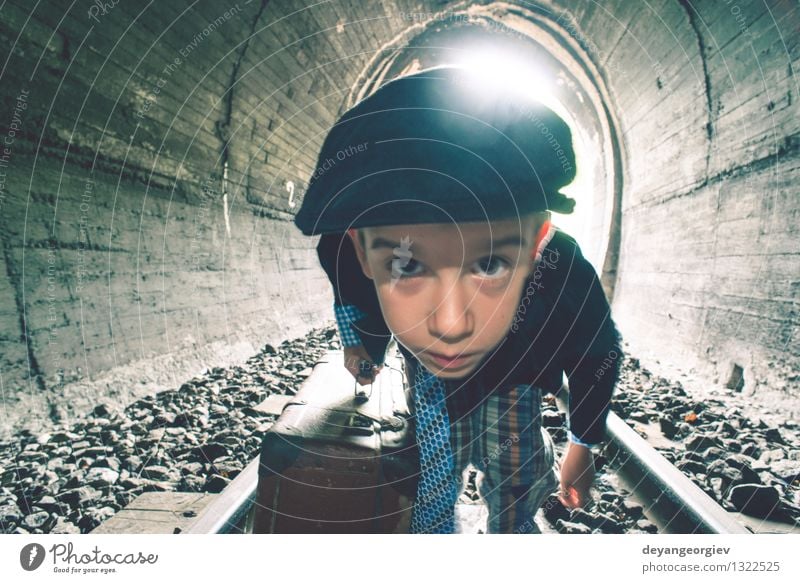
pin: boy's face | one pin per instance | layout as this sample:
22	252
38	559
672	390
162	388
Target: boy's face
449	292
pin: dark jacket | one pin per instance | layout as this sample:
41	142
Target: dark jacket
563	324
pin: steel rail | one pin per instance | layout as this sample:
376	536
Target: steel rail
677	503
229	512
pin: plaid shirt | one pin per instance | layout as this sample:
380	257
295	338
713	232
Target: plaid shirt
502	437
345	316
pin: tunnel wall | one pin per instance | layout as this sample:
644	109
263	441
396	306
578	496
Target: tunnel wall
121	272
709	271
154	154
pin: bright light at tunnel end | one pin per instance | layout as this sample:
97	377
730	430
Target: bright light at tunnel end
497	71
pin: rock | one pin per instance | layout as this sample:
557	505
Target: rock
163	419
612	497
632	509
32	457
693	456
581	516
731	445
100	477
554	510
79	496
668	428
63	437
701	442
132	463
155	434
216	484
718	487
131	483
211	451
255	413
786	469
773	435
691	418
10	513
772	455
229	469
102	411
595	520
639	416
723	428
88	522
158	473
743	464
104	513
50	504
218	409
691	467
646	526
751	450
111	463
36	520
193	483
250	396
63	526
609	525
565	527
755	500
80	445
713	453
599	461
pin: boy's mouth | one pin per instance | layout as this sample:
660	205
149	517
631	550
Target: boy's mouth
453	362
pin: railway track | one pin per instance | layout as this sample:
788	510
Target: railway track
669	499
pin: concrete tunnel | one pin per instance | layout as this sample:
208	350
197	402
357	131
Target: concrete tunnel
153	157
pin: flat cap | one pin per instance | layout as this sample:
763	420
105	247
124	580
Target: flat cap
438	146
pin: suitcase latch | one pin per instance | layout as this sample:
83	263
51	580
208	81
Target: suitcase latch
358	424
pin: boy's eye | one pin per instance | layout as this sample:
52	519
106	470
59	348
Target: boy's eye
492	267
404	267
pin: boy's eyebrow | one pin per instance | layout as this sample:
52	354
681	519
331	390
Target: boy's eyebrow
380	242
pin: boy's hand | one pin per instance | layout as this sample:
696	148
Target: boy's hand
577	475
352	356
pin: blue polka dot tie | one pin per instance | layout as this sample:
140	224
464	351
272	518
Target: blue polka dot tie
436	490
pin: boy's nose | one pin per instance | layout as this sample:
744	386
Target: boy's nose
451	320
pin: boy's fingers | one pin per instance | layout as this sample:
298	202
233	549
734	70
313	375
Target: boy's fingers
570	497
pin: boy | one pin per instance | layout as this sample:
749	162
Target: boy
433	202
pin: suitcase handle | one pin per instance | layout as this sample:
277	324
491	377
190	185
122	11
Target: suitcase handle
391	422
366	369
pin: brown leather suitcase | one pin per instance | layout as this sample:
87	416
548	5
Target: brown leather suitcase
332	463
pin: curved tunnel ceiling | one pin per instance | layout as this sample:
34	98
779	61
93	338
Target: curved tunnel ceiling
153	158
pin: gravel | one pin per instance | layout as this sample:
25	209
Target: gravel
199	436
193	438
742	462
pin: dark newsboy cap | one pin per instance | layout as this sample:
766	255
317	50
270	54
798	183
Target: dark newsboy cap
437	146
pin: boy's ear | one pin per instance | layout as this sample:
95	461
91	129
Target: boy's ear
361	253
538	243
